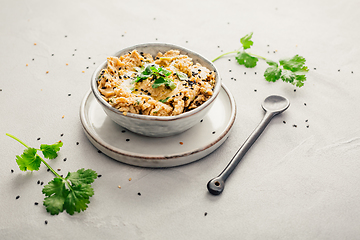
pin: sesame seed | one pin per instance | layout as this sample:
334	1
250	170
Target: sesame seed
17	197
139	194
36	203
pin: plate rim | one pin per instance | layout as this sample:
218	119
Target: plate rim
157	158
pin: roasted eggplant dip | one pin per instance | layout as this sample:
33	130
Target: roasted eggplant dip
166	85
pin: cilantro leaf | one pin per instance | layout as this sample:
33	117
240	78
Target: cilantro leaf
271	63
300	79
246	41
71	193
78	198
288	76
166	81
272	74
50	151
245	59
56	193
294	64
164	100
82	176
29	160
182	76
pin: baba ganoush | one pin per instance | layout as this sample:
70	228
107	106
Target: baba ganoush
166	85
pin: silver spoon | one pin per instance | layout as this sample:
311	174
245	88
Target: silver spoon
272	105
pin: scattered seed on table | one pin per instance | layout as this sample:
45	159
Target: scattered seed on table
61	135
294	125
47	72
77	143
127	139
52	54
213	132
48	170
305	104
294	90
205	214
307	126
38	182
46	222
129	179
255	72
181	143
284	122
59	169
314	68
27	64
41	183
69	94
119	186
201	120
255	90
230	70
36	203
123	131
339	70
306	120
99	176
17	197
244	72
139	193
12	170
38	139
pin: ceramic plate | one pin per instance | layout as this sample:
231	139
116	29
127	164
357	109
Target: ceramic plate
128	147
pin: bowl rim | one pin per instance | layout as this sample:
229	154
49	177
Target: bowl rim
105	104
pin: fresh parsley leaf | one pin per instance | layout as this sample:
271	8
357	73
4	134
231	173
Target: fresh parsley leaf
82	176
50	151
164	81
245	59
290	70
56	193
71	193
29	160
294	64
164	100
182	76
78	198
272	74
246	41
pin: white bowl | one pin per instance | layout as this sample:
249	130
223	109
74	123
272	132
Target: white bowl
158	126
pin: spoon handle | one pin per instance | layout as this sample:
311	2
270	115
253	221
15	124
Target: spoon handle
217	184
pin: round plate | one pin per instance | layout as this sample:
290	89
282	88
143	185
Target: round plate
131	148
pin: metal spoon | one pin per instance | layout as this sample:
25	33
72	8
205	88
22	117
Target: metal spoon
272	105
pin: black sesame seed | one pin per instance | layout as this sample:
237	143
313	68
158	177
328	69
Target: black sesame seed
127	140
61	135
36	203
229	70
244	72
201	120
38	139
139	194
205	214
307	126
65	159
314	68
294	90
213	132
52	54
41	183
77	143
99	176
255	90
284	122
38	182
48	170
306	120
12	170
294	125
46	222
305	104
69	94
99	151
339	70
89	57
17	197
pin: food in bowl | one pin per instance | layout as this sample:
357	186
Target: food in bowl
167	84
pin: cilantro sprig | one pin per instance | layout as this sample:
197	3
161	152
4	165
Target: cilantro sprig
70	193
159	74
291	70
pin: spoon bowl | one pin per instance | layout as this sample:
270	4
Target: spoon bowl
276	104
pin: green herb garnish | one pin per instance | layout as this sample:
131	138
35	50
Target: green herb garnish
159	74
290	70
71	193
182	76
164	100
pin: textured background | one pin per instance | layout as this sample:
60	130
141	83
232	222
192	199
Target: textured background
294	183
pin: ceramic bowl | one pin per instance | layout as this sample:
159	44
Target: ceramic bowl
158	126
